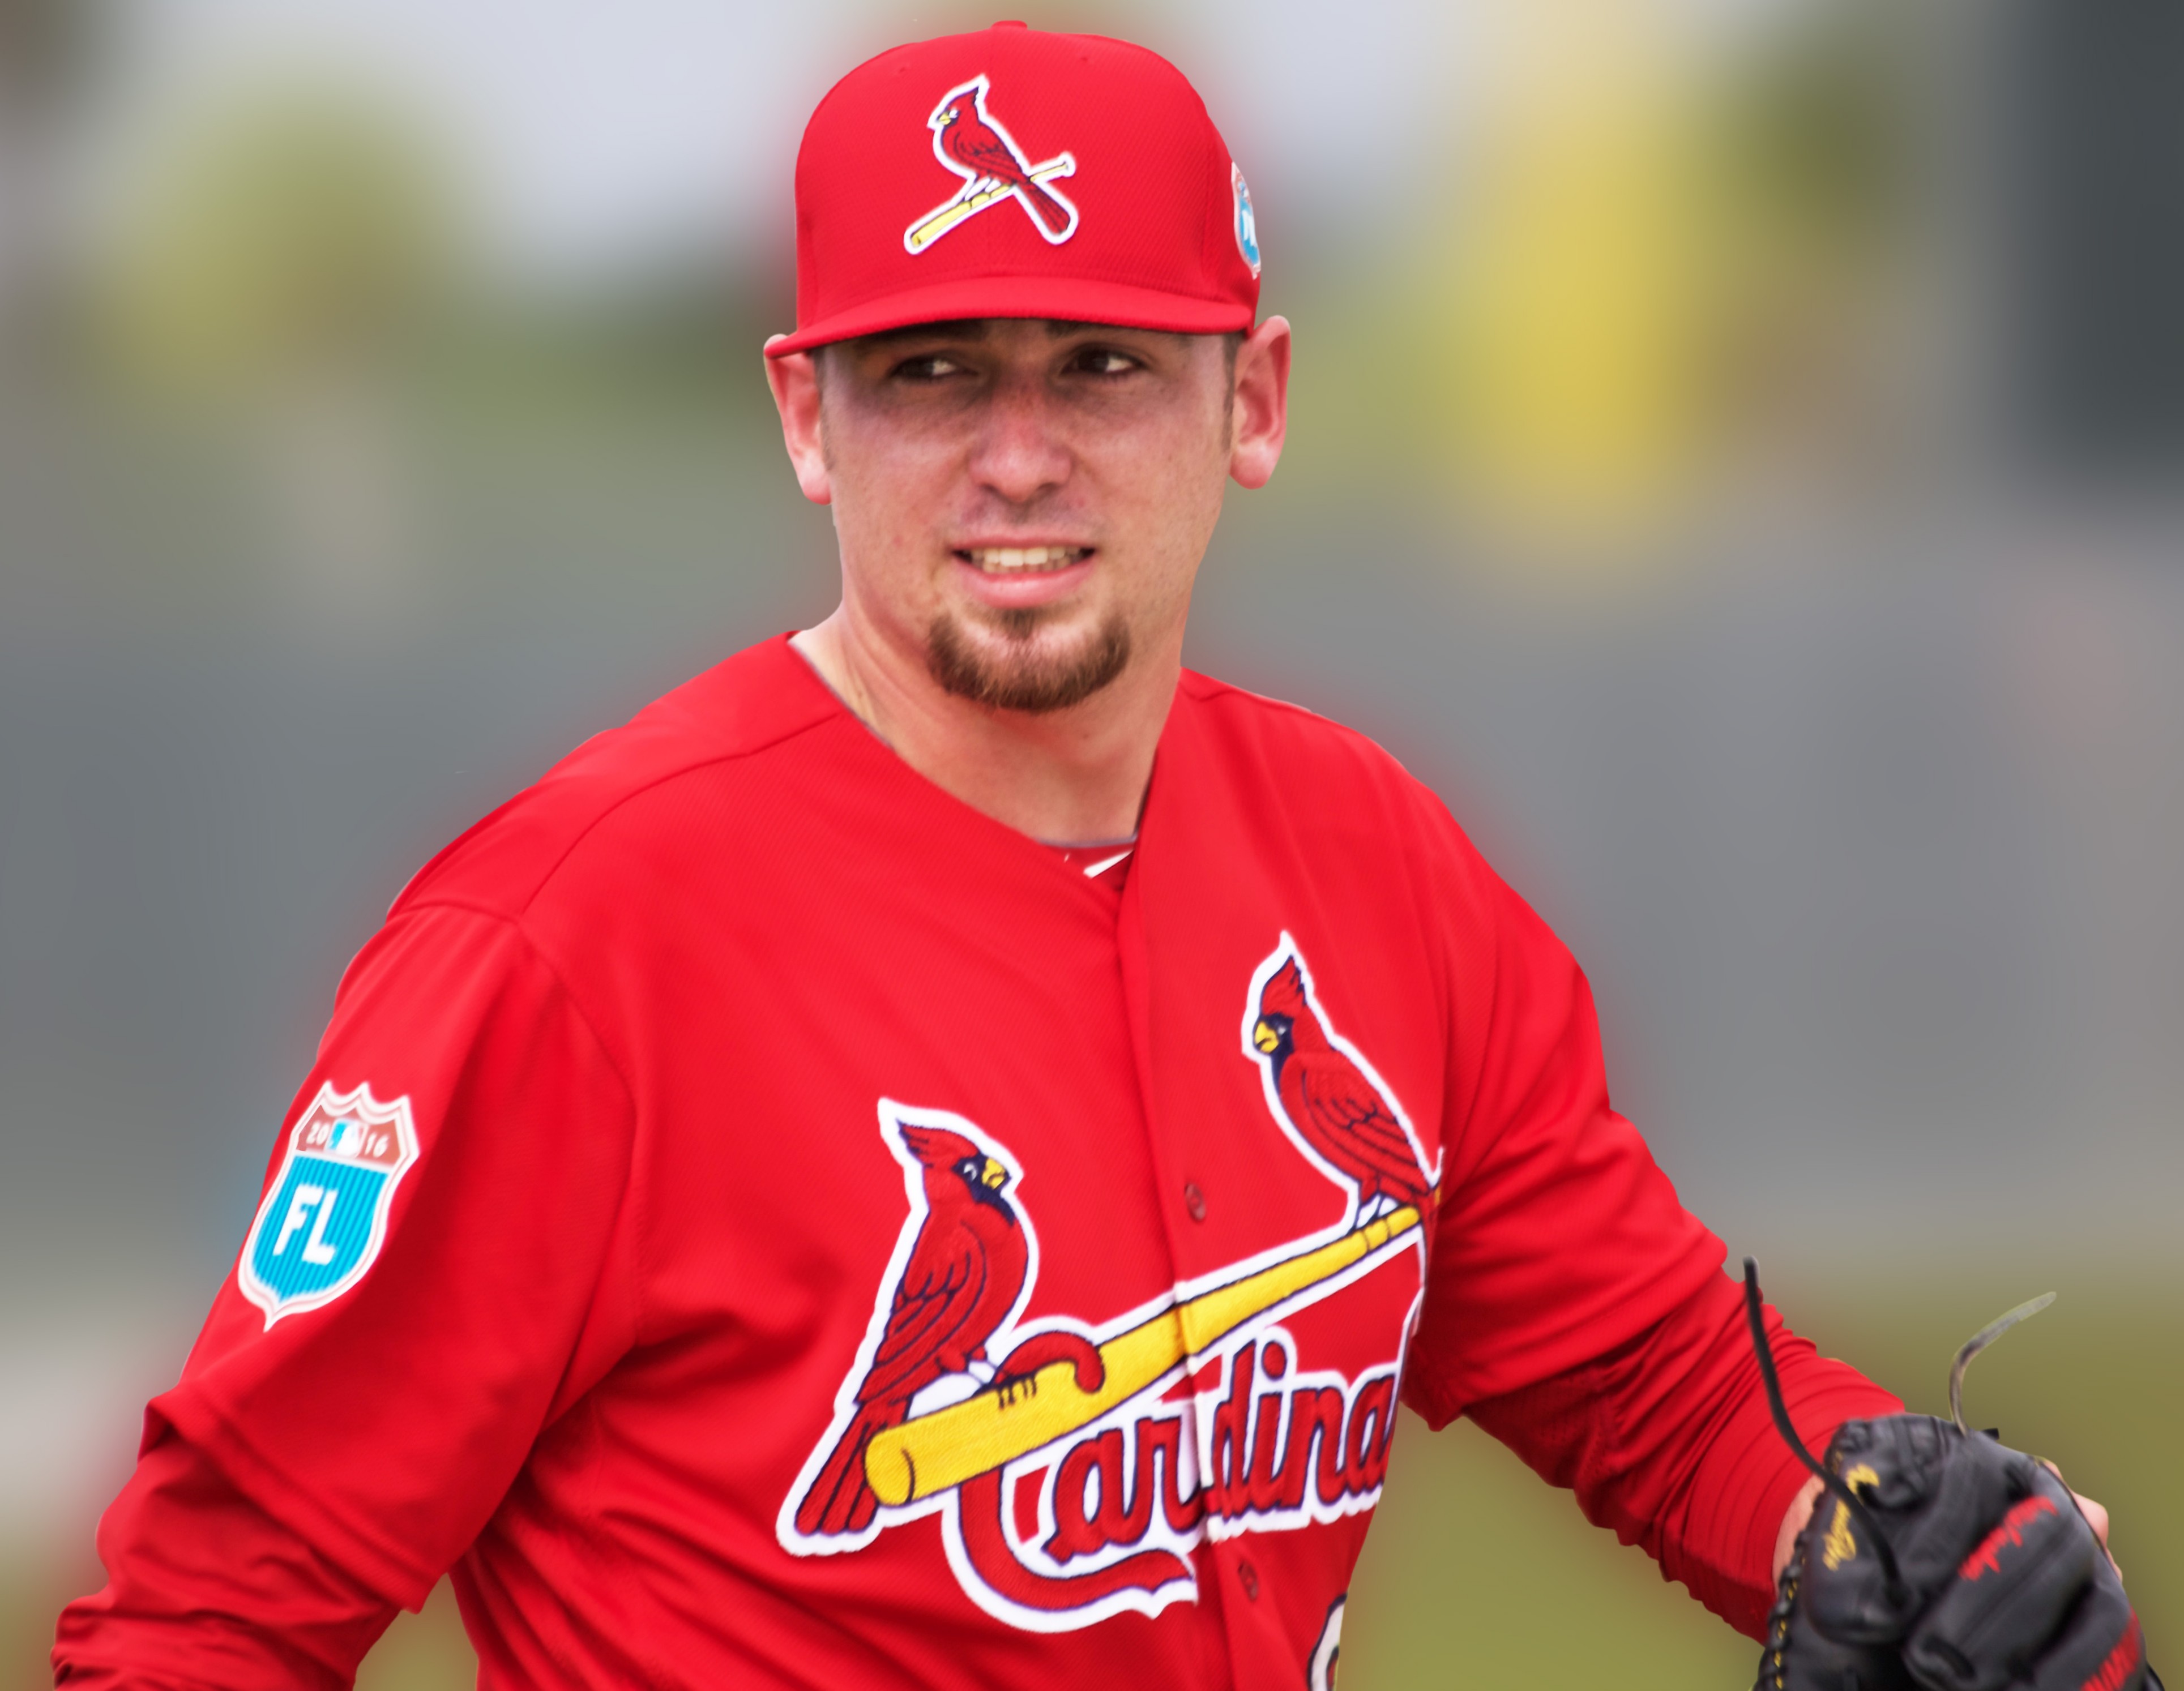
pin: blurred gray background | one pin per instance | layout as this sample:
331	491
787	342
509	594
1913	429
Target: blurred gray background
1735	459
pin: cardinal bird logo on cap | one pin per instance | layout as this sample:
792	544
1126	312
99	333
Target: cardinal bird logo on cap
970	141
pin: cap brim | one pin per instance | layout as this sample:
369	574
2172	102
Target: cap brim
1056	298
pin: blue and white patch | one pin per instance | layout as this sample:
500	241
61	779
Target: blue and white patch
1247	225
324	1216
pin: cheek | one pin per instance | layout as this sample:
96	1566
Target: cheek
884	486
1177	490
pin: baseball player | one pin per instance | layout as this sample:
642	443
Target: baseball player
931	1156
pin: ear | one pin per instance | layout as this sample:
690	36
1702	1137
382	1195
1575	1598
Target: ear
795	381
1260	414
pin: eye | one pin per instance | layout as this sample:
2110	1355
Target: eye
1102	361
926	367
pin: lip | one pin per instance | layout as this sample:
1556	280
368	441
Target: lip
1027	588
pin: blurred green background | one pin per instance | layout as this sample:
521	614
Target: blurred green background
1735	458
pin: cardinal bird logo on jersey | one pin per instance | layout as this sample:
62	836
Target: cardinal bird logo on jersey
970	141
966	1273
1321	1088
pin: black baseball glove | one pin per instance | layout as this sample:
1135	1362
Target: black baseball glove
1957	1564
1940	1560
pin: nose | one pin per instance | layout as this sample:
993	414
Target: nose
1019	453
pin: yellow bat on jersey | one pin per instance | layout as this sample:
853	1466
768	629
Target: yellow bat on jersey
932	1452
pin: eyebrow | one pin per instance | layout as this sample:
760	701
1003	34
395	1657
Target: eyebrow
965	329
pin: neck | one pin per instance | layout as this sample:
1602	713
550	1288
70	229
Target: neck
1065	775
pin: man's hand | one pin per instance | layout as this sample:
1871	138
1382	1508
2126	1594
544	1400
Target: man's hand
1991	1574
1801	1510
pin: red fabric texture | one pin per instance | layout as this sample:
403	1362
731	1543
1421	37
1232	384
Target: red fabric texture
1668	1441
210	1590
1515	1299
1158	240
669	1025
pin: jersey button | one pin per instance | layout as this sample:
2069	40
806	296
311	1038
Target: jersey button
1194	1200
1248	1576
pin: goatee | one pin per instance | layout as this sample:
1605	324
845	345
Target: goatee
1024	678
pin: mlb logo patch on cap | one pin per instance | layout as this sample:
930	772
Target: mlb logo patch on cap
1247	222
325	1215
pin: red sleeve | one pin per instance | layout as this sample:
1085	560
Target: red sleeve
313	1472
1557	1237
1666	1440
1574	1308
209	1589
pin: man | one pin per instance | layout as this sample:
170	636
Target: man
929	1157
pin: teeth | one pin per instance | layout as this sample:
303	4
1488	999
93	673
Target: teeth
997	559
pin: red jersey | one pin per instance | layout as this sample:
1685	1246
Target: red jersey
760	1220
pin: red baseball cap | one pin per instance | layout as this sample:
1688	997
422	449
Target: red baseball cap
1018	173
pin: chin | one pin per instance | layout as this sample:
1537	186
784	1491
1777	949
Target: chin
1017	660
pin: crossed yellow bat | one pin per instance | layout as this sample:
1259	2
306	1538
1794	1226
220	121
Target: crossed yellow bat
936	1451
955	211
